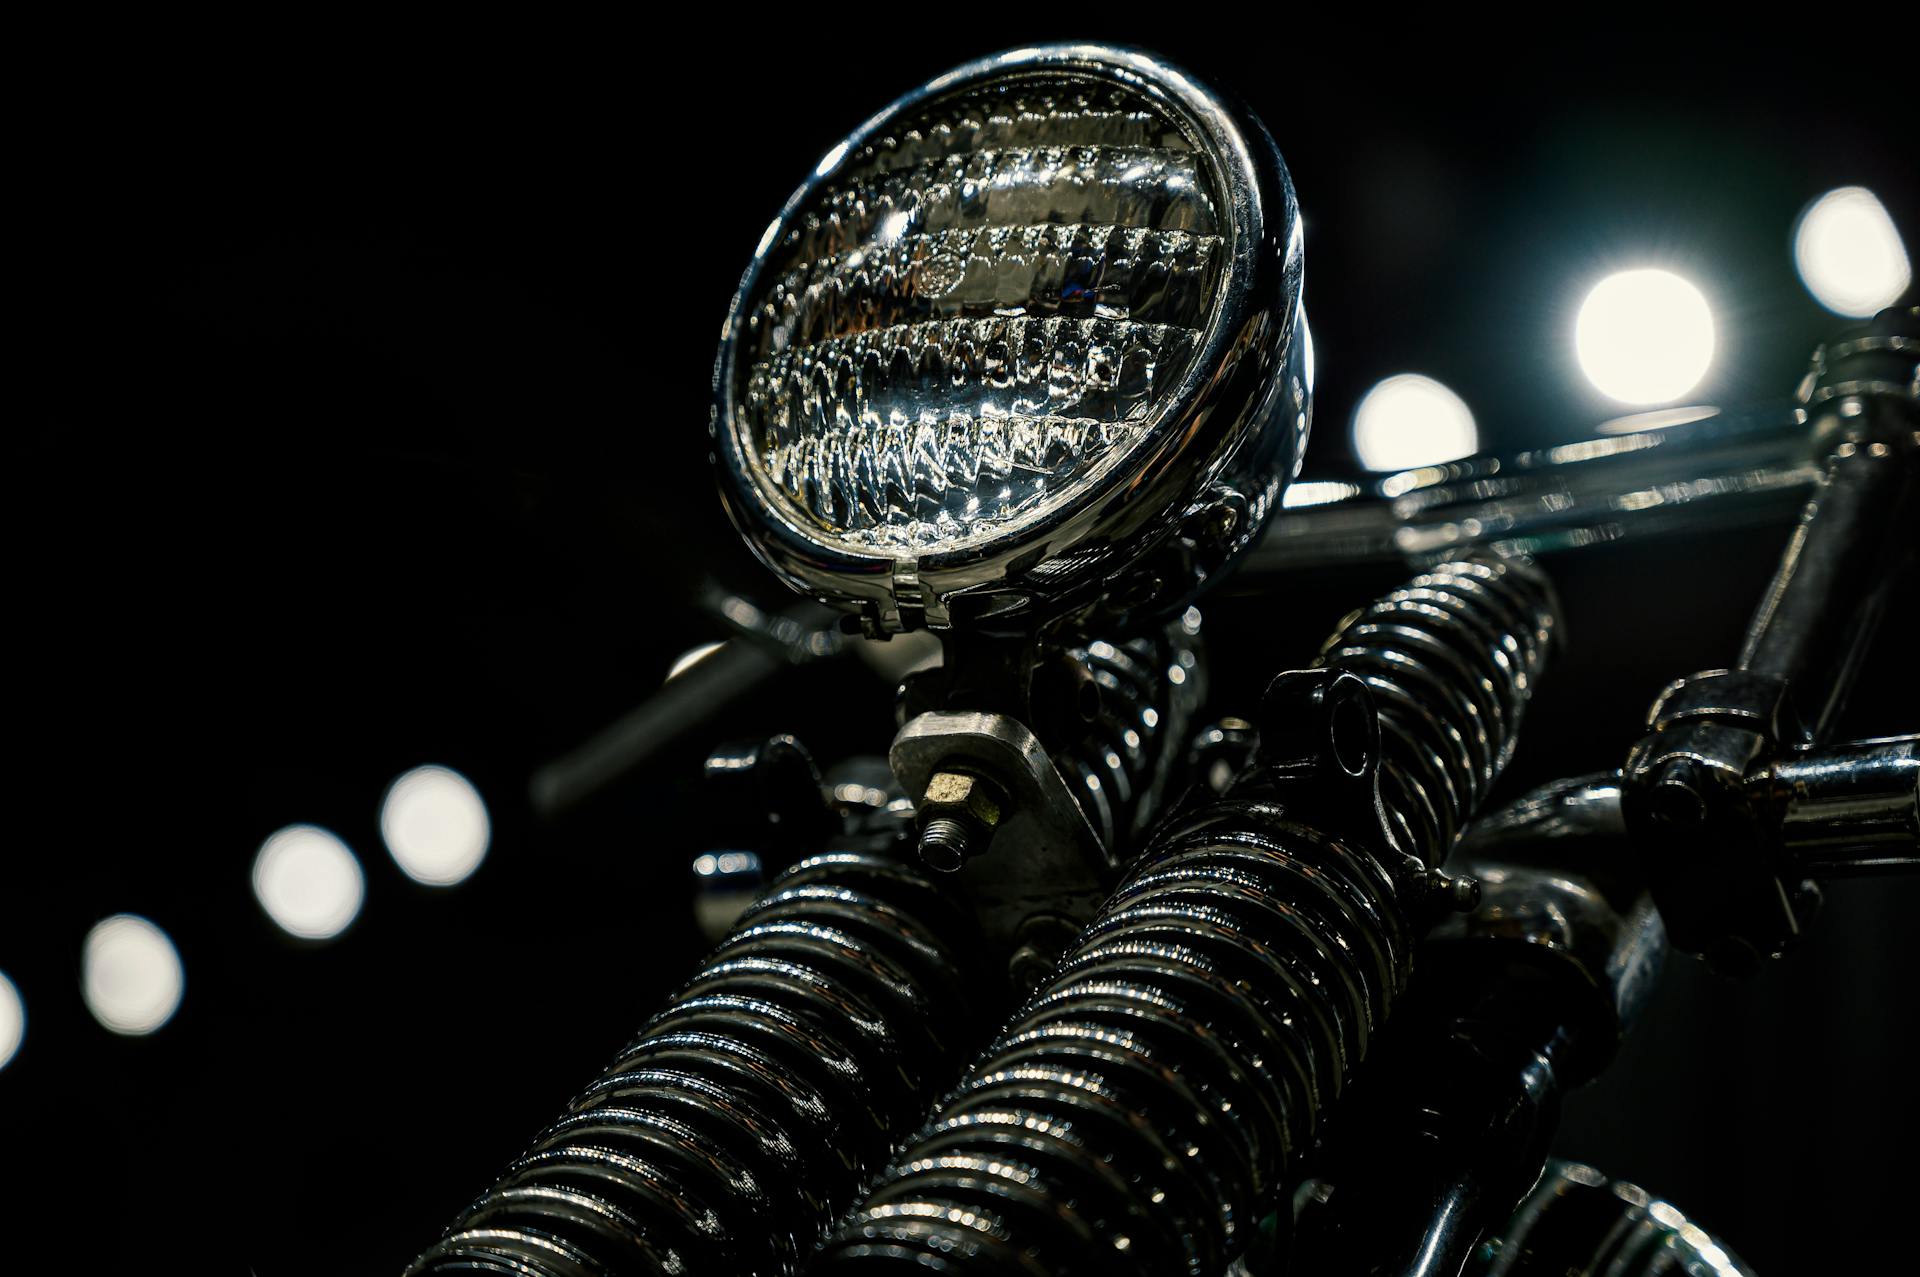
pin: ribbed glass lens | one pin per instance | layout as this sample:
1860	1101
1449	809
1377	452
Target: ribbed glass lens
979	313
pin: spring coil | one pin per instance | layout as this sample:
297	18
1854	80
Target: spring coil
1150	688
1143	1110
755	1106
1451	658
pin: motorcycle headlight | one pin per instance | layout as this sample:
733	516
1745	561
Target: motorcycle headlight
1032	328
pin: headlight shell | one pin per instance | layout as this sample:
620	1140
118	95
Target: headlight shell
1030	341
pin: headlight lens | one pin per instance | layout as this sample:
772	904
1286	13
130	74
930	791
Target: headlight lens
981	310
1006	337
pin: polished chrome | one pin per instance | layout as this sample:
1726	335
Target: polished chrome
1687	791
1174	1068
1451	658
1556	874
1025	328
1577	1221
750	1111
1166	1074
725	883
1670	473
1129	758
1844	810
1517	1001
1025	360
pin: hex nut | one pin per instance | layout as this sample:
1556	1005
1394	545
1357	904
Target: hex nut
951	793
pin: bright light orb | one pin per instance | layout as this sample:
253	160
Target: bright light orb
1849	253
1644	336
309	882
436	826
130	974
1409	420
13	1020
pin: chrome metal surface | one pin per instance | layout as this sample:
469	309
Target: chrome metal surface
1515	1002
1721	886
1141	1113
1126	761
1846	809
1451	659
1556	874
1578	1223
751	1110
1146	1103
1669	473
1026	328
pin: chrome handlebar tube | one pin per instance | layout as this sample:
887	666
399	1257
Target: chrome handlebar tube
1720	741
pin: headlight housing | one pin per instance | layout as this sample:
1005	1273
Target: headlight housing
1029	341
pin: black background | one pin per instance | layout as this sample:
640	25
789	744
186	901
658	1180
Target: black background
374	435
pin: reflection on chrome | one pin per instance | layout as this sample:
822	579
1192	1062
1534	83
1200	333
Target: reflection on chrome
1027	307
309	882
1644	336
1576	1220
13	1020
1312	492
130	974
1849	253
980	309
1410	420
692	657
1656	473
435	824
1659	419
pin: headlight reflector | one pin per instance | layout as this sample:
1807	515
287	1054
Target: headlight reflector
1004	297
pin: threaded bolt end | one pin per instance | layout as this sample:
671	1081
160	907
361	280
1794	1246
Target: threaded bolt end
945	844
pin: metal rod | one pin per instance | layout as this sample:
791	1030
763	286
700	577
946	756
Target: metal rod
1847	810
1820	613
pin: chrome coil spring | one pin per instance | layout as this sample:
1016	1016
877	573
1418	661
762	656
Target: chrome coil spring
1451	657
756	1105
1142	1112
1150	688
1144	1105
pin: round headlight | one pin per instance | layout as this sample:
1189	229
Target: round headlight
1031	328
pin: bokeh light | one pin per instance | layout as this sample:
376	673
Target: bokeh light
309	882
1849	253
13	1020
435	824
1644	336
1409	420
130	974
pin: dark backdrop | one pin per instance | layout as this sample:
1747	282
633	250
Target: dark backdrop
374	435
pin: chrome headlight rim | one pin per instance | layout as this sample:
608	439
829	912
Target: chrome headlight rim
1208	443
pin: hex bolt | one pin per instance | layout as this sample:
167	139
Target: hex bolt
958	815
